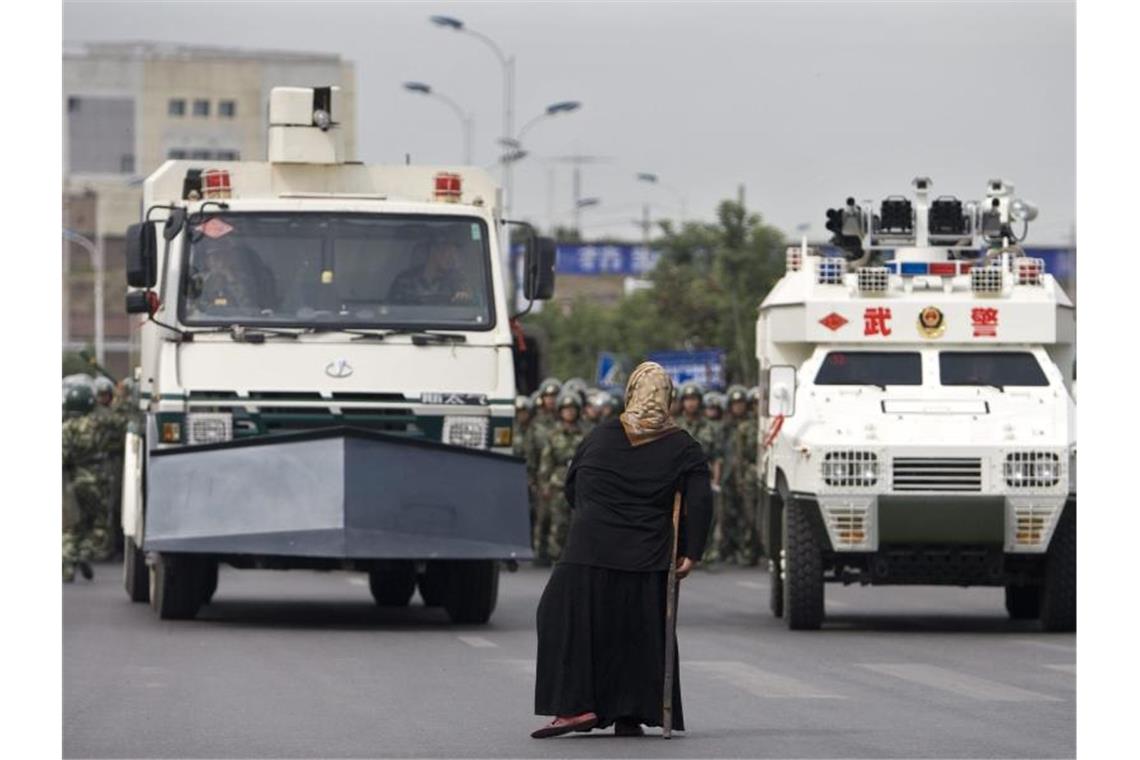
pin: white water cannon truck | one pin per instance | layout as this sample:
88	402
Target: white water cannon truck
328	372
917	410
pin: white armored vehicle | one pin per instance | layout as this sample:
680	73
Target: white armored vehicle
918	420
328	373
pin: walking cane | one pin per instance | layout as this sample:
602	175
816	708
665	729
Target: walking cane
671	626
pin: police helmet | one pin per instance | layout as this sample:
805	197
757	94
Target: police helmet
524	402
535	398
754	394
691	389
569	399
104	384
714	400
550	387
737	393
79	399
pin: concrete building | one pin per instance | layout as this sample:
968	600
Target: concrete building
127	107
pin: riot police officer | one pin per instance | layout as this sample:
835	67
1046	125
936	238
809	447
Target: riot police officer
553	523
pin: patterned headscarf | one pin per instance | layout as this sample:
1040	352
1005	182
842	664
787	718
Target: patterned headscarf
646	417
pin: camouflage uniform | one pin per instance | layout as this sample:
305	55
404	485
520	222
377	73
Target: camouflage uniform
732	543
542	425
746	490
520	438
715	401
85	489
553	525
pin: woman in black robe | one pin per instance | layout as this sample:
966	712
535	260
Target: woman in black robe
601	619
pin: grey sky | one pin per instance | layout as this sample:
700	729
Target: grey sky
804	103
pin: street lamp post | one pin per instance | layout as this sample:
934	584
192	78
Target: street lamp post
464	117
95	251
653	179
579	204
508	65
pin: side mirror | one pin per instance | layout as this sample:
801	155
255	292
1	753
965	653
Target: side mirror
140	302
174	224
142	255
541	257
781	395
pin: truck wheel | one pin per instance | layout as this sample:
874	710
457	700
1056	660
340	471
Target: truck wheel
1023	602
1059	596
209	580
393	583
175	586
136	576
433	584
472	590
774	546
803	569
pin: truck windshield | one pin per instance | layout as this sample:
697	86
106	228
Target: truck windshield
880	368
338	270
996	368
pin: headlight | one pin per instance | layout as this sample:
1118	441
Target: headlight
209	427
466	431
1032	469
850	468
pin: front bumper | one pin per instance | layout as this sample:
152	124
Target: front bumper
337	493
1022	524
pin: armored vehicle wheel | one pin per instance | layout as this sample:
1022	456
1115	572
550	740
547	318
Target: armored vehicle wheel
432	583
1023	602
1059	596
803	569
209	580
775	589
175	586
392	583
136	576
472	590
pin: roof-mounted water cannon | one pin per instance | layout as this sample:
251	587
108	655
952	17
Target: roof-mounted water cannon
304	125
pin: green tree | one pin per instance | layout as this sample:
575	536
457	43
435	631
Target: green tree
706	289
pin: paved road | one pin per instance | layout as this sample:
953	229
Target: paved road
301	664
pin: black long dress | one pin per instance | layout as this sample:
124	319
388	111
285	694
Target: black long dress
601	619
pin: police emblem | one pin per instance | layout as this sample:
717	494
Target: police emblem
931	323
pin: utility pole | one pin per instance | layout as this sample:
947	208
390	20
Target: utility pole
578	160
645	226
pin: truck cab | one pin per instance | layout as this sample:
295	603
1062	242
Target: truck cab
309	303
919	412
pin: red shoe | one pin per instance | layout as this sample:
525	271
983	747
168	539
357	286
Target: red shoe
564	725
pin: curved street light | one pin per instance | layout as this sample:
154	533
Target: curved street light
465	118
565	106
508	65
652	179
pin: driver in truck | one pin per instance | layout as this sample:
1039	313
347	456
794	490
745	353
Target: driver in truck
220	279
439	280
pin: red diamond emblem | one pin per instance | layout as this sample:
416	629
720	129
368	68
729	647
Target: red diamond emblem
833	321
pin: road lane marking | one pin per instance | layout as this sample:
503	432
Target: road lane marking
1070	669
957	683
527	667
756	586
477	641
757	682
